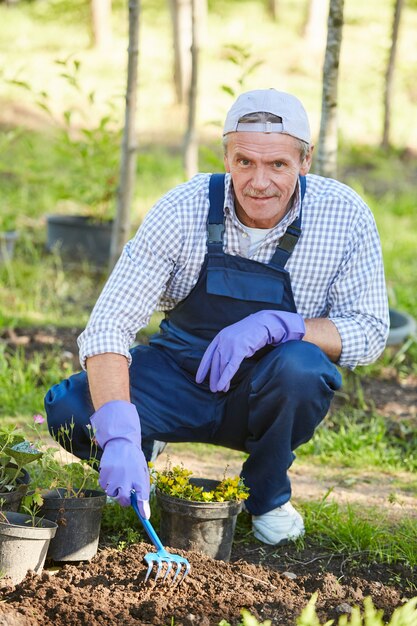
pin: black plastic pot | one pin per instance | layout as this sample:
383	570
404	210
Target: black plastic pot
79	520
11	500
402	326
23	547
79	238
7	243
206	527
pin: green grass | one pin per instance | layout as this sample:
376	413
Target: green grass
355	439
361	534
24	382
36	289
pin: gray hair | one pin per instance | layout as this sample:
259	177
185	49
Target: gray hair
262	117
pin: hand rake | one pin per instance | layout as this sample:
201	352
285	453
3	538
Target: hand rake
161	555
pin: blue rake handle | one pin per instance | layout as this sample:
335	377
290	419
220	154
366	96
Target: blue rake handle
161	555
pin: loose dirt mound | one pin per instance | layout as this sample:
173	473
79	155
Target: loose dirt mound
111	591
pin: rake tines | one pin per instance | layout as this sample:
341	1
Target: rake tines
161	556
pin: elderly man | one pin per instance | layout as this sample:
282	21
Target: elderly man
269	277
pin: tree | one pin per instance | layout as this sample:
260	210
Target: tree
389	73
314	29
326	159
121	227
181	16
101	23
190	150
272	6
182	24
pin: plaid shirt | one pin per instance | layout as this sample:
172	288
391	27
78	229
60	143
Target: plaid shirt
336	268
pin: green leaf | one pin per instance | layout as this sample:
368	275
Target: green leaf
44	107
250	620
20	83
37	498
228	90
23	458
67	117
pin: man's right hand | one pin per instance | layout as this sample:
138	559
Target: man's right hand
123	466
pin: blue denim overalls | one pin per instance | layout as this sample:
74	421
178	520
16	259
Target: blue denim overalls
276	399
228	289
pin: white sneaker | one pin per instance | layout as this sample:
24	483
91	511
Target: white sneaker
280	525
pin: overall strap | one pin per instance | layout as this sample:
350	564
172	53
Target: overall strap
290	237
215	226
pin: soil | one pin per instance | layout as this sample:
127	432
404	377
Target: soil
273	583
110	590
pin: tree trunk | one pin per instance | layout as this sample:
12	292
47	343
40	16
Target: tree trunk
191	140
326	160
389	74
272	6
181	15
121	228
101	23
314	30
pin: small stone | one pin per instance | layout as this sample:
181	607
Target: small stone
290	575
344	608
192	620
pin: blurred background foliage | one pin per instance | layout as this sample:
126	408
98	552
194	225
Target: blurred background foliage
62	112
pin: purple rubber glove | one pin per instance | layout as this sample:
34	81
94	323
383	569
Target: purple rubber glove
242	339
123	467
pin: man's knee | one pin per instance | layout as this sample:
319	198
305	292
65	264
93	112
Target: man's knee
300	368
68	409
56	407
293	386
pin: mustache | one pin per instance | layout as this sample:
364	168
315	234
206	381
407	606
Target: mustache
253	193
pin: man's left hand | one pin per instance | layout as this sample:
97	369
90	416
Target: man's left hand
242	339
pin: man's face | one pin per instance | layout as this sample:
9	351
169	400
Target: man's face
264	169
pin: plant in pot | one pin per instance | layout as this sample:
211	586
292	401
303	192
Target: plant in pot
71	498
24	540
87	142
198	513
15	454
86	145
82	226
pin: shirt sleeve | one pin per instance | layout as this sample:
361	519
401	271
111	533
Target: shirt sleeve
134	288
358	297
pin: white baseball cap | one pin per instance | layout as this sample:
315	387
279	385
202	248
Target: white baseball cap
284	105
